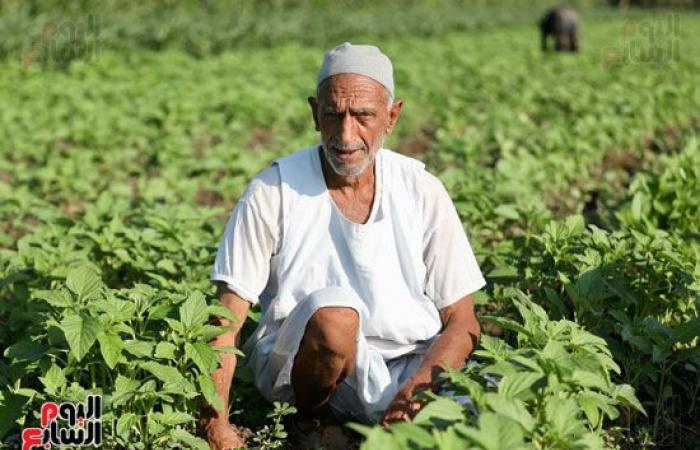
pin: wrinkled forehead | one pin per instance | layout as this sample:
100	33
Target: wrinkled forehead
351	88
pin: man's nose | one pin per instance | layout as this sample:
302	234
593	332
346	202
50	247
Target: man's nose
347	130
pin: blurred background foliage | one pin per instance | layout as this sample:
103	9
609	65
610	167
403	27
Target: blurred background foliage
206	27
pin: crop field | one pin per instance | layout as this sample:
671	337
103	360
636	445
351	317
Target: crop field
577	179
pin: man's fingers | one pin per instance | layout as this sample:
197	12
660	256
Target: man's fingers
401	412
396	413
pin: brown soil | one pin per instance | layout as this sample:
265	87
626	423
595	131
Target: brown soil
206	197
201	143
260	139
74	209
417	144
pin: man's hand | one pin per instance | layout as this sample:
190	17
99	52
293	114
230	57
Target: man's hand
214	423
403	408
459	337
221	436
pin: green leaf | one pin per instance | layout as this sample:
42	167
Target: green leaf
208	388
176	325
687	331
53	380
111	348
575	224
164	373
406	433
124	389
221	311
141	349
589	379
207	332
507	211
80	333
593	403
562	415
165	350
624	393
25	350
203	355
519	385
659	354
194	310
495	348
443	409
125	423
504	322
555	351
154	428
513	408
173	418
186	438
168	266
591	441
230	349
447	439
117	309
84	282
495	432
60	298
11	408
637	205
124	384
161	312
148	386
376	437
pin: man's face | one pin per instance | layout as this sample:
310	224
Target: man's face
353	114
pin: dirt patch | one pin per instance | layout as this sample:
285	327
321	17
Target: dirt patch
17	229
666	139
260	139
417	144
73	209
64	146
244	432
206	197
624	159
13	232
201	143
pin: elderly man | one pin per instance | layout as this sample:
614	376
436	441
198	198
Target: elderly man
358	259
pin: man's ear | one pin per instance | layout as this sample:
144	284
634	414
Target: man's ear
313	103
394	115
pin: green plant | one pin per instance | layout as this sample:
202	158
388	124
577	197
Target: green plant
273	435
553	390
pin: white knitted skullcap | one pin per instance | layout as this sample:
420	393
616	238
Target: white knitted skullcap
365	60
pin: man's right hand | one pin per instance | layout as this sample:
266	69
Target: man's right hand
221	436
214	425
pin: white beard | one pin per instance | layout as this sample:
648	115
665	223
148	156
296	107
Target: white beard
353	171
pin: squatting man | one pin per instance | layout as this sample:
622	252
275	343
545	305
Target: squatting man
359	261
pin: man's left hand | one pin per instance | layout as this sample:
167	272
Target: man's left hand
404	408
450	349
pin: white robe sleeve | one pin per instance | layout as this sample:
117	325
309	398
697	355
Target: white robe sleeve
452	270
251	237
